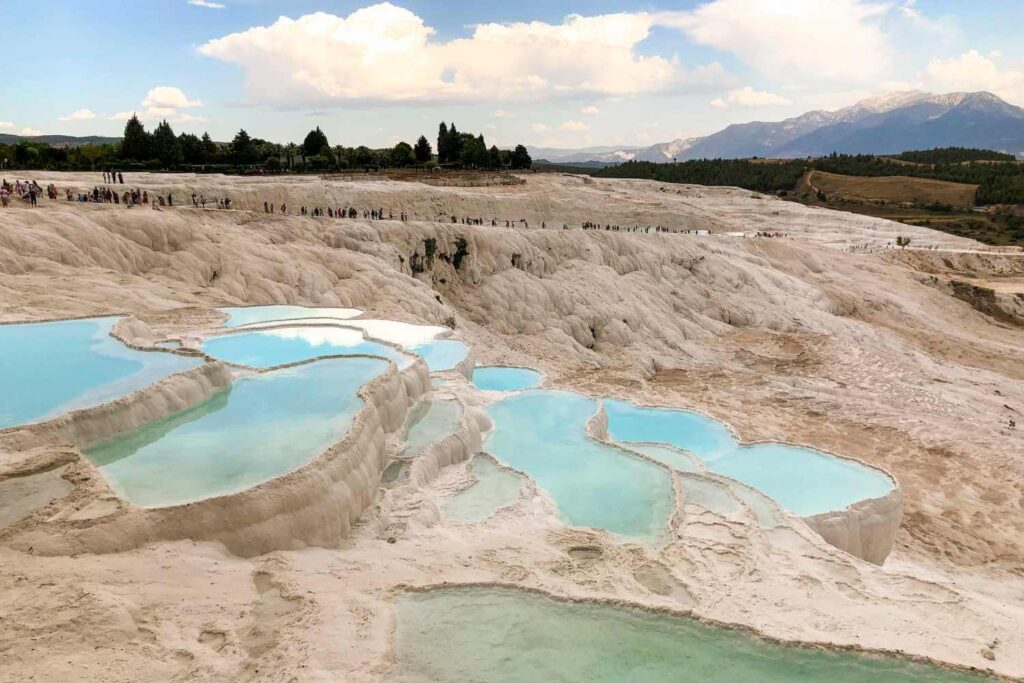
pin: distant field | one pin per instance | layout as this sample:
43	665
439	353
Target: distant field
889	189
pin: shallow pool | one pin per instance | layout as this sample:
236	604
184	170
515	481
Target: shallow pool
543	433
503	635
440	354
802	480
495	487
252	315
293	344
666	455
497	378
47	369
262	427
428	423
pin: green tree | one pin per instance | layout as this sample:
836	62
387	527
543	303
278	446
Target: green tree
520	158
454	144
402	155
494	157
315	143
210	149
442	143
474	152
191	148
165	145
135	144
242	149
422	150
363	157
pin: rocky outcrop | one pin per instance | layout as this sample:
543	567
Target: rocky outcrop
1007	308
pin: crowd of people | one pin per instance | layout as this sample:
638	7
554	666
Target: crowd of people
30	191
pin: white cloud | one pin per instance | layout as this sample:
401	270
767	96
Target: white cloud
574	126
6	125
816	40
974	71
31	131
206	4
385	53
79	115
538	127
501	114
590	111
167	97
163	102
749	98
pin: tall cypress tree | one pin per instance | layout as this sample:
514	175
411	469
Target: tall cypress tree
135	144
442	143
166	147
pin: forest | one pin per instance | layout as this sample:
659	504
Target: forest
163	150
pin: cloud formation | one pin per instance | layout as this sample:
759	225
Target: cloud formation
590	111
6	125
574	126
164	102
974	71
387	54
749	98
814	40
206	4
79	115
31	132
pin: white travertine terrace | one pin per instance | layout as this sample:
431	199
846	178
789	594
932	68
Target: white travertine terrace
867	355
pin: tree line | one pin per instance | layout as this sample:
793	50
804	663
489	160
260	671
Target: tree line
162	149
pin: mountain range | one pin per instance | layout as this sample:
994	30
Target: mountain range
57	140
889	124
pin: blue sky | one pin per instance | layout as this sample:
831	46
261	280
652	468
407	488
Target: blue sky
549	73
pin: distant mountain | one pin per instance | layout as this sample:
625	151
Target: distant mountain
57	140
889	124
606	155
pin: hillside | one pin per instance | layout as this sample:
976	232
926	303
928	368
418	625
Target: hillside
889	189
58	140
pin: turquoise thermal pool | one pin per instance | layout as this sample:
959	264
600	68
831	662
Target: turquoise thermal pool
502	635
543	433
495	487
47	369
497	378
804	481
285	345
440	354
262	427
428	423
239	316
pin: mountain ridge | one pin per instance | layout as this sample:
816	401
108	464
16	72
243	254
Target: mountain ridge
886	124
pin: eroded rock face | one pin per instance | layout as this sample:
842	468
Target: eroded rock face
1005	307
866	529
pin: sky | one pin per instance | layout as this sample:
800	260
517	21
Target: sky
549	73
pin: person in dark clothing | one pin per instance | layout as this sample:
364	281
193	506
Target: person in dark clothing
120	177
